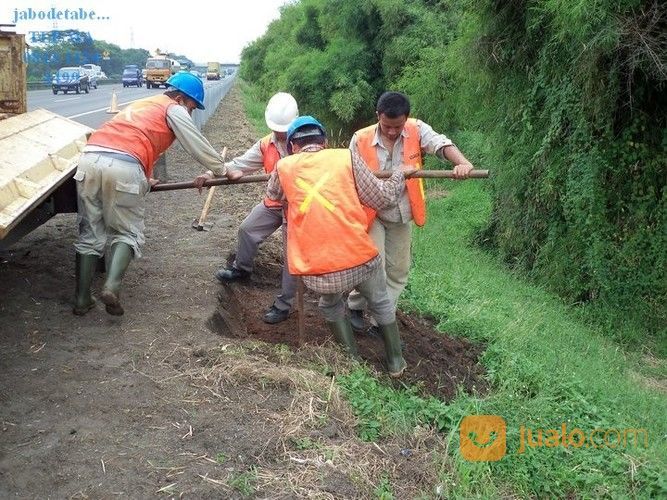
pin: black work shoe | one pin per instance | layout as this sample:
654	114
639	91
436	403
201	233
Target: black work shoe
357	320
373	331
275	315
228	274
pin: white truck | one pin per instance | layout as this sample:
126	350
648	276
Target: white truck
213	70
94	72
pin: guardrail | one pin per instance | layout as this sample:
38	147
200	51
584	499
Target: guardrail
47	85
212	97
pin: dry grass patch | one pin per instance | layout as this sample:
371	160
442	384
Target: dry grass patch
314	452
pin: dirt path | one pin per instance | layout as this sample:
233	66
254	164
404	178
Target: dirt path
161	401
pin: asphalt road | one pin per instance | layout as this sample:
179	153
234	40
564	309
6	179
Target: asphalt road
91	109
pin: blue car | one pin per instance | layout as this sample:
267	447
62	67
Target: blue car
132	77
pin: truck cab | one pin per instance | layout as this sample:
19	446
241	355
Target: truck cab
158	71
213	71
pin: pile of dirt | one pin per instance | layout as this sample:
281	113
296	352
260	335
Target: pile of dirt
439	365
162	401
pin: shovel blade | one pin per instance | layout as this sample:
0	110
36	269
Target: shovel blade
206	226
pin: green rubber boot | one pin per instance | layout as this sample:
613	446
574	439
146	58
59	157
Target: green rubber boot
392	346
119	258
85	272
342	330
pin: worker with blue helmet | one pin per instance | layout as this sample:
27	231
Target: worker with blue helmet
304	126
190	85
328	247
115	172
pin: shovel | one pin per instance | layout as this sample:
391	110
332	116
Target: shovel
200	224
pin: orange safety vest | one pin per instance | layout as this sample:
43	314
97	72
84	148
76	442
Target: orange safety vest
139	130
270	156
326	224
412	156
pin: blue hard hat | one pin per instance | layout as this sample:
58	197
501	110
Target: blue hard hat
308	125
190	85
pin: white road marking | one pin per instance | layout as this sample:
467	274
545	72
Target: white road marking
67	99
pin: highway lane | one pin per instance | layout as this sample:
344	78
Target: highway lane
91	109
88	109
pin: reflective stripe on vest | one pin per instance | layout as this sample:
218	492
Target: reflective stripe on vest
140	130
326	224
270	156
412	156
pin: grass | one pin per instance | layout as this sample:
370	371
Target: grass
243	482
384	490
254	107
547	365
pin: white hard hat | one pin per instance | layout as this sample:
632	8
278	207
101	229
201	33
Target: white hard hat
280	111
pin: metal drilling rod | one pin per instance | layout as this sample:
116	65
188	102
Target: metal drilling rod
222	181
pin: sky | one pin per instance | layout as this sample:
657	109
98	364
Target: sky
193	28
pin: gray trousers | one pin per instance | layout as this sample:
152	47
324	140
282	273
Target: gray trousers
393	241
373	290
259	224
110	195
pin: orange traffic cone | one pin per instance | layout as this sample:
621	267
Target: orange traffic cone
114	104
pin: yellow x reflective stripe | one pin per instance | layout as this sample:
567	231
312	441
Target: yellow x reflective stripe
313	192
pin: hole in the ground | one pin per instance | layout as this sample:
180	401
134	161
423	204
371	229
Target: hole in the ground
437	363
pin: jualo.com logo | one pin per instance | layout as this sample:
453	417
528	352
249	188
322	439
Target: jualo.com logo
483	438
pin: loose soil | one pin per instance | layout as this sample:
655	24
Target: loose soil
190	393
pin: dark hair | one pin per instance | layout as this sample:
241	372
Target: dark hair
310	139
173	93
393	105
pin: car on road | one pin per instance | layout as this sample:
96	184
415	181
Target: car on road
93	71
70	78
132	77
92	81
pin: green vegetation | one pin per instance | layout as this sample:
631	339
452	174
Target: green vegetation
254	107
564	101
546	367
557	262
244	482
384	490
